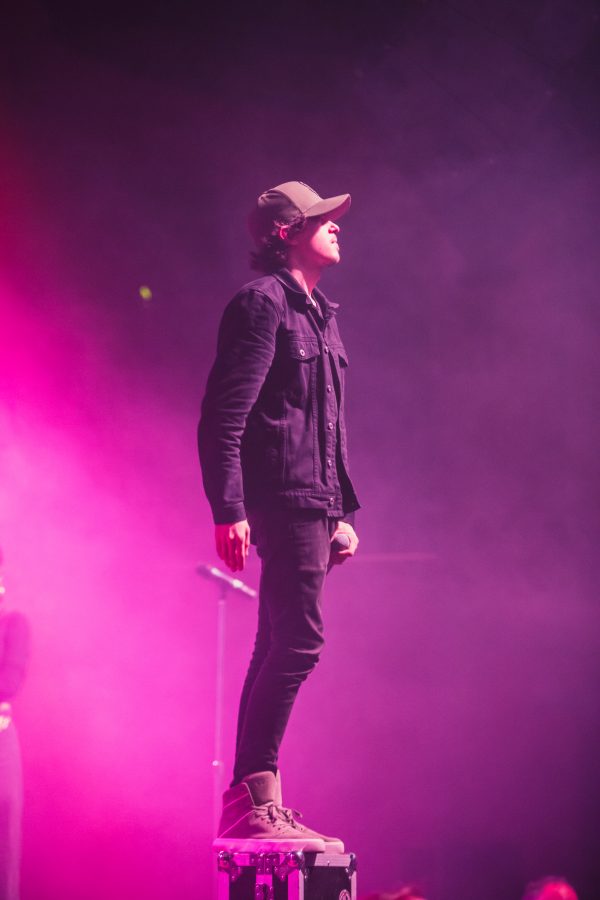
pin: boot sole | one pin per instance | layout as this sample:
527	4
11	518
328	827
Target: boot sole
334	847
266	845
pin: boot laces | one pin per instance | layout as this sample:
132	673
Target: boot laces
290	815
279	815
268	811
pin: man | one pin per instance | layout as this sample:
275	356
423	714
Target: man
272	444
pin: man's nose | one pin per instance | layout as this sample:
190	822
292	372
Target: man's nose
333	226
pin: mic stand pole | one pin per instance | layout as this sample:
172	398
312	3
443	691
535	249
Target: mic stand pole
226	584
217	761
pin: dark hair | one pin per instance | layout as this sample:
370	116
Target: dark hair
273	250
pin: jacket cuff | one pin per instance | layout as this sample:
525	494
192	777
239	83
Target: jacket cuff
227	515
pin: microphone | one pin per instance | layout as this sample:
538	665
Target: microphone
214	574
340	542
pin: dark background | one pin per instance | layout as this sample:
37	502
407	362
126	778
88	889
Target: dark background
450	733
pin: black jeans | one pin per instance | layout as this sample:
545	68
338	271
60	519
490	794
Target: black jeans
294	547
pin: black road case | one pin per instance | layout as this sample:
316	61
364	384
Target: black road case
290	875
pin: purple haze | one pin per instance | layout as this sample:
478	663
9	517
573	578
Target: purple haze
450	731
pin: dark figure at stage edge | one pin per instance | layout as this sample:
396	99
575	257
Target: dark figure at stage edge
272	443
14	658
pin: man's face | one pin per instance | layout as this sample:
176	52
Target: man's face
316	246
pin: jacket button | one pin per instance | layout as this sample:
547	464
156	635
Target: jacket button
330	426
326	348
331	501
302	351
329	463
329	388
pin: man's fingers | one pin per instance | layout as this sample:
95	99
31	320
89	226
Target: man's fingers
240	545
233	544
227	554
238	552
230	550
340	556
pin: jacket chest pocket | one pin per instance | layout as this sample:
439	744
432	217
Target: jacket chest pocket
337	349
340	355
303	350
300	356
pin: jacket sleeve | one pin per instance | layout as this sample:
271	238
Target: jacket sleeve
245	351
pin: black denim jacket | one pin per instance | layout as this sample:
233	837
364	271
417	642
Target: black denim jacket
262	432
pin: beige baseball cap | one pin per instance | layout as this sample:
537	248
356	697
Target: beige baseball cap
284	202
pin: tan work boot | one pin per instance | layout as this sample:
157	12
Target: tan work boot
252	823
332	845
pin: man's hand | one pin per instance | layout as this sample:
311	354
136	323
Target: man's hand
339	556
233	544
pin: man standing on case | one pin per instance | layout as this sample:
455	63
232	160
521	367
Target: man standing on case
272	443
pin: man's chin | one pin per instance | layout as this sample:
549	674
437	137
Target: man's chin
328	261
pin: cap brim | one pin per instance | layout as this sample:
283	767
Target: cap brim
334	207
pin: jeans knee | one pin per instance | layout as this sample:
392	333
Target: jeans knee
313	656
295	660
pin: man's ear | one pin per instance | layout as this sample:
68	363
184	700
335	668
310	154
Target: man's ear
284	233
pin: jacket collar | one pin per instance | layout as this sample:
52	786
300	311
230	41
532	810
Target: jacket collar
299	296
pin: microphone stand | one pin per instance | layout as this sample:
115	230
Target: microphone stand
226	585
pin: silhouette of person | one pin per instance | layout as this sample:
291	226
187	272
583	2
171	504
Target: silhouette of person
550	888
14	656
